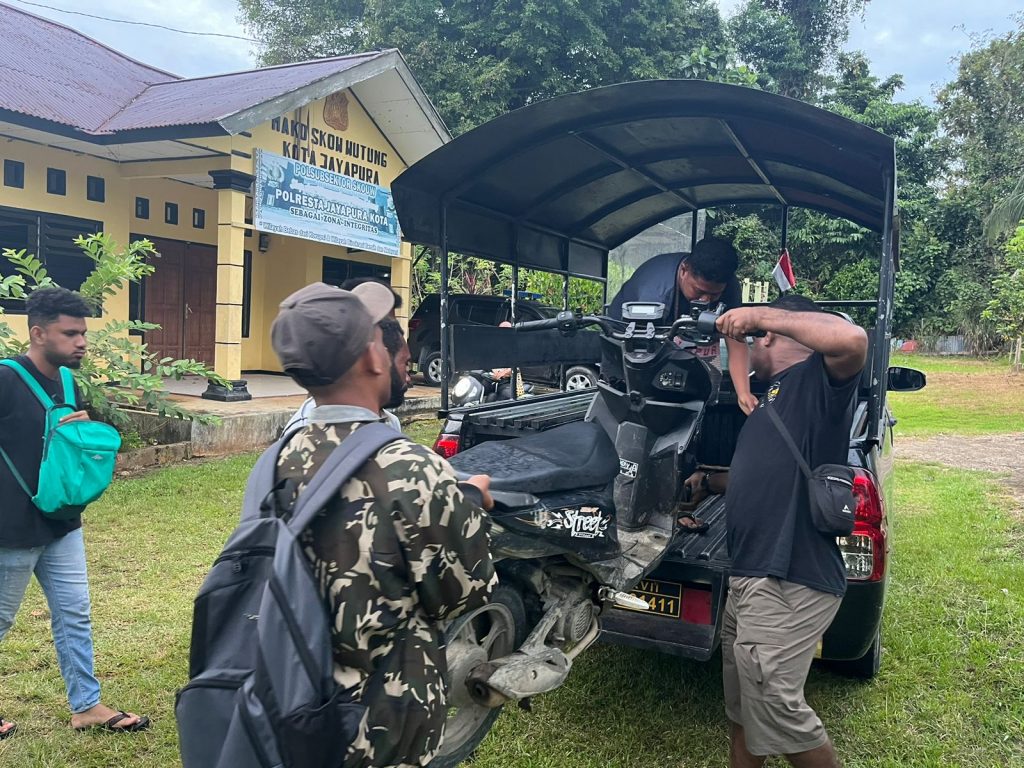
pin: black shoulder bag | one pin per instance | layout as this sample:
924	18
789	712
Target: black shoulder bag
829	488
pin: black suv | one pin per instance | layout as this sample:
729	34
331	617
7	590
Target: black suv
425	336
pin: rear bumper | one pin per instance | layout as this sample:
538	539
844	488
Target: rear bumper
856	624
848	637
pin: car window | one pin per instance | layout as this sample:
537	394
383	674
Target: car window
486	313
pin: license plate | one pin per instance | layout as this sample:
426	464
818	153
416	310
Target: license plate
670	598
663	598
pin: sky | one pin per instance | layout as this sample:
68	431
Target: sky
919	39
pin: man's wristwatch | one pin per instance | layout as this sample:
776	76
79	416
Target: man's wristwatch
704	486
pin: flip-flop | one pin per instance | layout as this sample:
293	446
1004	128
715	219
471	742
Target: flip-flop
699	527
111	724
10	731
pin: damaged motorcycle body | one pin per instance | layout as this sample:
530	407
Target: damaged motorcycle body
584	511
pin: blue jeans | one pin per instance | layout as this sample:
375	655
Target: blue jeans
60	569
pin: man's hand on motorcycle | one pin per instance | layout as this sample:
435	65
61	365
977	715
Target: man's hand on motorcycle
740	322
483	484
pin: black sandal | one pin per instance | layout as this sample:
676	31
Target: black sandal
10	731
111	724
699	525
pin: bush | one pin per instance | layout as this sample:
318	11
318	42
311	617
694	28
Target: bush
118	371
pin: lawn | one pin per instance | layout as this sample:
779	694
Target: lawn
951	690
964	396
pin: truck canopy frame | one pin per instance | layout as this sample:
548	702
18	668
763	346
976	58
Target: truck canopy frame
556	185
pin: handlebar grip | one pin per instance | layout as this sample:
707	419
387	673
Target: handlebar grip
538	325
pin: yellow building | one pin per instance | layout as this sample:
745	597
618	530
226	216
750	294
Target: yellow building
95	141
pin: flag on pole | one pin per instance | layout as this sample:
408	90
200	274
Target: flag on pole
783	273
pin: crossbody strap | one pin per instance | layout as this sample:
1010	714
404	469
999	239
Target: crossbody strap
16	473
788	438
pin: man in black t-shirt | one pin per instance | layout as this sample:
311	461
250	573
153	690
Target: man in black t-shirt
29	542
676	280
787	578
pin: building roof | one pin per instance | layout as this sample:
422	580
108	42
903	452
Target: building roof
55	78
52	72
203	100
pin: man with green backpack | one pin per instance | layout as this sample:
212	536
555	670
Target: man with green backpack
53	461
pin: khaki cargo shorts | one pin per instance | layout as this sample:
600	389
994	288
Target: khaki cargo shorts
769	635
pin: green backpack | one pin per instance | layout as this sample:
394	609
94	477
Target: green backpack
78	457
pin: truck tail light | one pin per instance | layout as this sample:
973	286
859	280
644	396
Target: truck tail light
865	550
447	445
415	323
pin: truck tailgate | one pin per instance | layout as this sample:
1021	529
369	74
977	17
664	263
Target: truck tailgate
686	594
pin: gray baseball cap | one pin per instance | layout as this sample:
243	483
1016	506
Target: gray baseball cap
321	331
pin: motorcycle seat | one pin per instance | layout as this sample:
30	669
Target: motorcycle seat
576	455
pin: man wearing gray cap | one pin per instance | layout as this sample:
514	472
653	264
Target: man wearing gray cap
402	547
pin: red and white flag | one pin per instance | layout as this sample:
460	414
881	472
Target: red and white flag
783	273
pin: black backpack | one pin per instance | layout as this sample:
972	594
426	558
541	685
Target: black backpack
261	691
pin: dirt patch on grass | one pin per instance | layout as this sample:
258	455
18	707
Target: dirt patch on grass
1003	454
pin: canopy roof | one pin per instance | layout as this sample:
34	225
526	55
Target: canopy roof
564	181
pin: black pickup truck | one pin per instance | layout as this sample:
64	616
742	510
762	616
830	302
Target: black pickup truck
686	594
559	184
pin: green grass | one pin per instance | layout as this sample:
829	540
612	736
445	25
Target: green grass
964	396
951	690
951	363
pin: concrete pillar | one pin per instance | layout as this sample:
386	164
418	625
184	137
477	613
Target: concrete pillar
401	282
231	186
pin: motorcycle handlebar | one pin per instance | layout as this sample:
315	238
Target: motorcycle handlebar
538	325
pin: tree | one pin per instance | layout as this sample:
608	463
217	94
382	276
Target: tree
117	371
790	43
479	60
1006	214
1006	309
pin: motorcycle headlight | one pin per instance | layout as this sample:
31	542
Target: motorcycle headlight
467	389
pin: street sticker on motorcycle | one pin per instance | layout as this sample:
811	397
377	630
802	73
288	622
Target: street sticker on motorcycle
628	468
582	523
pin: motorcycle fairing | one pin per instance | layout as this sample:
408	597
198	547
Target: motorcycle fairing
578	523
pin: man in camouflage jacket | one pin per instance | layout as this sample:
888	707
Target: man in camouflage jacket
403	546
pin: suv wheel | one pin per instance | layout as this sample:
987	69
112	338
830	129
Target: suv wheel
580	377
431	368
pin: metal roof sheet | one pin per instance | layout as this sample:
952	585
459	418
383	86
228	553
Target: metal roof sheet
211	99
50	71
563	181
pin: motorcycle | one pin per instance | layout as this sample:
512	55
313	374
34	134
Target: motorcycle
582	513
477	387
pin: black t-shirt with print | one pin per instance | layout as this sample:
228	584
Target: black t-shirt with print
770	532
22	420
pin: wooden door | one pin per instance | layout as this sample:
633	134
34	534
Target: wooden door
164	300
181	297
200	307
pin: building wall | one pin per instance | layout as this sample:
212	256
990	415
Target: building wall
346	141
359	150
34	197
187	197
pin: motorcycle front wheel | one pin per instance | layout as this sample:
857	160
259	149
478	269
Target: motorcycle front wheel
489	632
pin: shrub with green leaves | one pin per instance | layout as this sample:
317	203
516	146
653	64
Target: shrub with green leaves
118	371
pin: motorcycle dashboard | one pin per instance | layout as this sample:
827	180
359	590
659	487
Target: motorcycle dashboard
647	311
